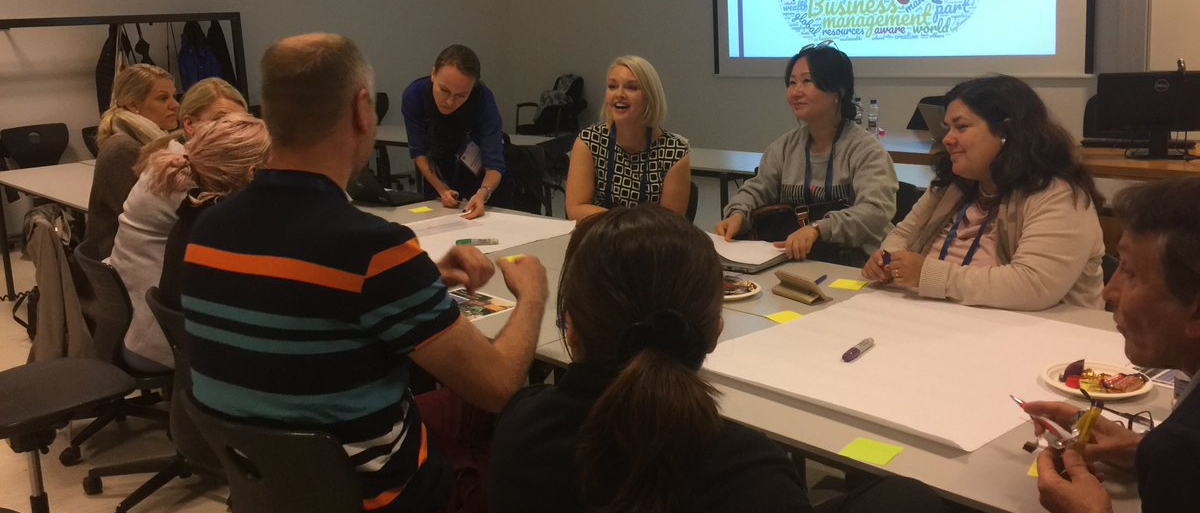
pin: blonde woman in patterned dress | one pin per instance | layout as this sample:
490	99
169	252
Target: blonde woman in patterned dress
626	158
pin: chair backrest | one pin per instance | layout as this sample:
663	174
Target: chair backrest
89	139
106	306
906	196
526	179
271	469
186	436
35	145
381	106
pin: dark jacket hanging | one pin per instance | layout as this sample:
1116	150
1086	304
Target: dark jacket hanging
220	50
196	59
106	69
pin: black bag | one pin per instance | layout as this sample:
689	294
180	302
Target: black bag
30	311
773	223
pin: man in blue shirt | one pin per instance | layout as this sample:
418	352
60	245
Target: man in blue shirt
454	131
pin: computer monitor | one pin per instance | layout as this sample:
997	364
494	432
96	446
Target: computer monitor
1155	103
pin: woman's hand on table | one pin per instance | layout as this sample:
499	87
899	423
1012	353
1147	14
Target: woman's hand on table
905	268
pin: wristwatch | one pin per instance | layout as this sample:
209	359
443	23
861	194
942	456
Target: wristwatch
488	195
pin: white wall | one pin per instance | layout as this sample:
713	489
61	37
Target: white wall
1173	34
47	74
718	112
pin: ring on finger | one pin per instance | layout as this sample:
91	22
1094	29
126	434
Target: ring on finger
896	273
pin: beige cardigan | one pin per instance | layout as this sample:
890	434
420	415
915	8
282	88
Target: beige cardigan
1048	244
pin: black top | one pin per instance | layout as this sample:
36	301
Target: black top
1168	460
532	467
172	267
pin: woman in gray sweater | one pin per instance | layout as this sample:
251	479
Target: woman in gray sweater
828	158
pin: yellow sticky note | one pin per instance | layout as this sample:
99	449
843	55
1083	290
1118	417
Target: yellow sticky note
1032	469
842	283
870	451
418	210
784	316
514	258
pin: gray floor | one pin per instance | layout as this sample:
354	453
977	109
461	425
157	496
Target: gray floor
135	440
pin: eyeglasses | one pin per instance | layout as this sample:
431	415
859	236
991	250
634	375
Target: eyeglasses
1143	417
822	44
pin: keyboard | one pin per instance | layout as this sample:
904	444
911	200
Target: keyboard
1105	142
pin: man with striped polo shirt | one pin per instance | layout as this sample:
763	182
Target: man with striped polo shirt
304	311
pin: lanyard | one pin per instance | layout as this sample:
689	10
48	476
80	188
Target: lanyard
808	195
954	231
643	187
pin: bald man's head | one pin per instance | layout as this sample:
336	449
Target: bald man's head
309	83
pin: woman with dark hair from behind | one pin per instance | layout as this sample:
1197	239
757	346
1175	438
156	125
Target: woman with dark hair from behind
631	426
1010	220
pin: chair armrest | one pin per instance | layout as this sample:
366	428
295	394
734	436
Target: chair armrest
526	104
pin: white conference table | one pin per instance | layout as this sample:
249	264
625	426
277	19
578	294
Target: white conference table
992	478
66	184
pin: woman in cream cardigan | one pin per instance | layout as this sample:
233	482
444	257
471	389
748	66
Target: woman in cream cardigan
1010	221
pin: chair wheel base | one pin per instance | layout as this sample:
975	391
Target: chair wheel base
69	456
92	485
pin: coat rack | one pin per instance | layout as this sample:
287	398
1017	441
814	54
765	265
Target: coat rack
234	19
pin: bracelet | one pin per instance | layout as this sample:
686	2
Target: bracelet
488	195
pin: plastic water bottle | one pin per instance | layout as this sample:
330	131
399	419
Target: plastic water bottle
873	118
858	111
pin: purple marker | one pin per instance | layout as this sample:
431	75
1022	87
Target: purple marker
854	352
887	257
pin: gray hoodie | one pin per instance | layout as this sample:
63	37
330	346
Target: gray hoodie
862	169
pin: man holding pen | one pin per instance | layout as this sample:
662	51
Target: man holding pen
1156	298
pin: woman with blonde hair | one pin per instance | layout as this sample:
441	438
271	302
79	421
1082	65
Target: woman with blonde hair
207	100
218	159
143	109
626	158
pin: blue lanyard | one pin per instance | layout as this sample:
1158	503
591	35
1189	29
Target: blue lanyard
954	231
808	195
643	187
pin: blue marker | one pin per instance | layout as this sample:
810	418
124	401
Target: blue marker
821	279
887	257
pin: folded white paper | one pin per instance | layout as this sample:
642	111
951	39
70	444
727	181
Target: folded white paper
752	252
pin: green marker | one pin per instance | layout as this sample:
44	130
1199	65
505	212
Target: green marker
478	242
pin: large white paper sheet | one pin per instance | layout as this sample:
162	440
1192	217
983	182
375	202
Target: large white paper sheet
752	252
437	235
938	370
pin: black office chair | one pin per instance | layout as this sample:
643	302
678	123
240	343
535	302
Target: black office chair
1109	264
527	184
556	119
271	470
108	311
89	139
906	196
43	396
192	453
383	164
35	145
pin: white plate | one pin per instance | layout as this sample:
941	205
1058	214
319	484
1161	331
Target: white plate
754	289
1051	374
